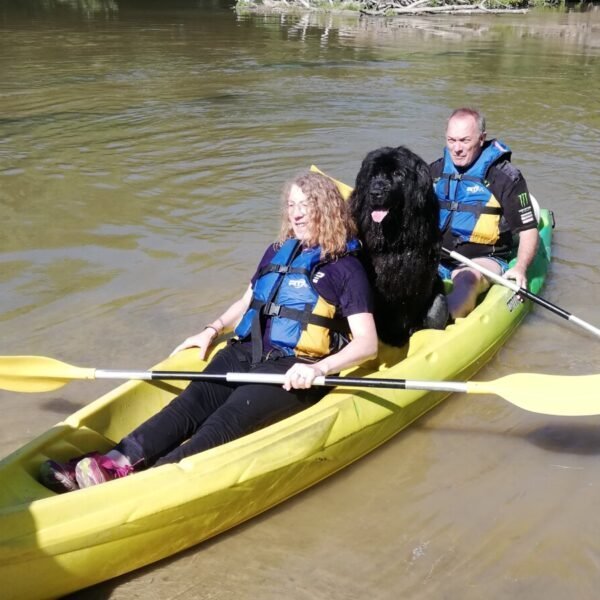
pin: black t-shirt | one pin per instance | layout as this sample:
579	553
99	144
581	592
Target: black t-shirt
508	185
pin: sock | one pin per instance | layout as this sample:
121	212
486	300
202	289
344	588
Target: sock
120	459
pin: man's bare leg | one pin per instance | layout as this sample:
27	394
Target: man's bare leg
467	285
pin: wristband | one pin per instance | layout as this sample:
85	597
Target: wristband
213	328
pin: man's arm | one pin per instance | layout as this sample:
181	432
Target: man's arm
528	243
519	213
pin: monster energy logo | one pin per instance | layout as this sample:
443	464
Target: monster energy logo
523	200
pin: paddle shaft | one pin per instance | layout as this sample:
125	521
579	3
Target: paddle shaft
328	381
522	291
546	394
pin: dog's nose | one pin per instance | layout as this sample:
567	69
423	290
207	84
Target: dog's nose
378	187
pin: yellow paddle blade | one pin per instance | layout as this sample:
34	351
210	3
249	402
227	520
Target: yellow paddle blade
568	395
38	373
345	190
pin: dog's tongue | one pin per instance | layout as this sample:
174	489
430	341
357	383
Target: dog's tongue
379	215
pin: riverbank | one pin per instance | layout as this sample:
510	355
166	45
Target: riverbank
397	8
391	7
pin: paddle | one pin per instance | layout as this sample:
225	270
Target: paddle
546	394
522	291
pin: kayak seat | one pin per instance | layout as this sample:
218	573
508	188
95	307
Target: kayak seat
74	442
61	443
67	444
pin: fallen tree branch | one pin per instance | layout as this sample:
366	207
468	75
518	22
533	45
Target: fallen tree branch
420	7
396	7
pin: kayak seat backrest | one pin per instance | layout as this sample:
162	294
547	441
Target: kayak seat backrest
75	442
67	444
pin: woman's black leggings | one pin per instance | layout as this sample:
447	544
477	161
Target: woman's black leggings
207	414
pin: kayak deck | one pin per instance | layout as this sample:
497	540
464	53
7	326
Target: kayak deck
74	540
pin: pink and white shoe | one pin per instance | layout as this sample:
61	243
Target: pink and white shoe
99	469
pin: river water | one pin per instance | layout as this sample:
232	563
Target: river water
142	150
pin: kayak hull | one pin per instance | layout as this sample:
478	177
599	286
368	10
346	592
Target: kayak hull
71	541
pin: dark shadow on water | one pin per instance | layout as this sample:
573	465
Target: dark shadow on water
62	406
567	438
562	438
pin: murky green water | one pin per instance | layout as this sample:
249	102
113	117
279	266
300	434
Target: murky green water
142	150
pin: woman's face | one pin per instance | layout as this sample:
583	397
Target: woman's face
300	213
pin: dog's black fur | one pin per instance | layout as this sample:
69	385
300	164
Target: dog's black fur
401	253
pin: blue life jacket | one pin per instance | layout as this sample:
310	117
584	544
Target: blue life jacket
302	322
467	205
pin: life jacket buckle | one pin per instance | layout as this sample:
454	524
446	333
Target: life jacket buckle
272	310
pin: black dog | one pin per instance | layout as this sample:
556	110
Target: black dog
397	214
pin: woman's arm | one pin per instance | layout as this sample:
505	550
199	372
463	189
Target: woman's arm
227	320
362	347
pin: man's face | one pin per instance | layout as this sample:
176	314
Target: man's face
464	140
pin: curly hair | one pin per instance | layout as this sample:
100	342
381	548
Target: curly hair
332	223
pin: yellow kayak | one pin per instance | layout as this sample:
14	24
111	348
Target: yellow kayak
51	545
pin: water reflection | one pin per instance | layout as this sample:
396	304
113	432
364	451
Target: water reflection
159	132
574	28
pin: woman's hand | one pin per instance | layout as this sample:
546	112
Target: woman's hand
201	340
207	336
301	376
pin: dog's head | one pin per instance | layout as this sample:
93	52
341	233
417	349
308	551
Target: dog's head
393	190
381	195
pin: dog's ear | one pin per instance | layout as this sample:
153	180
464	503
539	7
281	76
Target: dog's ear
423	185
356	201
352	201
423	174
364	173
361	185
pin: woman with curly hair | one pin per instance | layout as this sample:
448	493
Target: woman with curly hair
306	313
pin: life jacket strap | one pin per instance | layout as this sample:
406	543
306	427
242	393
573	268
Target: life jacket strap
256	325
472	208
256	338
283	270
304	317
